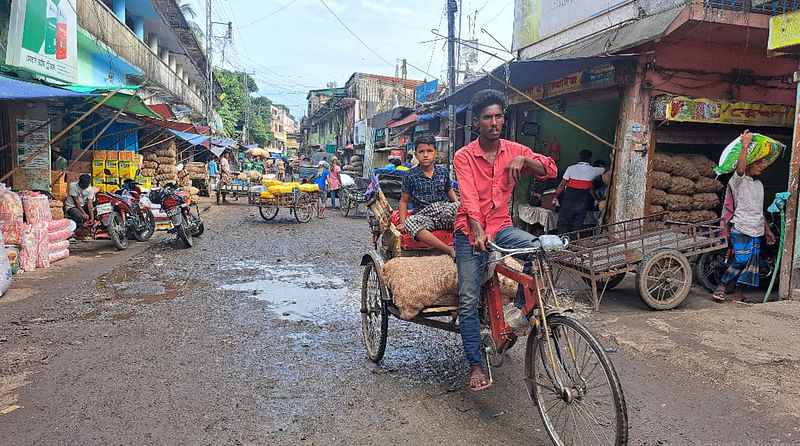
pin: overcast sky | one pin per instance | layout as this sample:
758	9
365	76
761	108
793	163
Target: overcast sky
298	45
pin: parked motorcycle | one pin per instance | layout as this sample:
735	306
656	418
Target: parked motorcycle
120	217
182	212
711	266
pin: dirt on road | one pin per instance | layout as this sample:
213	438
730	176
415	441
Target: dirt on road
253	336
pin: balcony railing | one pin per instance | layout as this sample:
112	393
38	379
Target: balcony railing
772	8
95	17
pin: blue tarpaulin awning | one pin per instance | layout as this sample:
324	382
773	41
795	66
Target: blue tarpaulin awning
192	138
14	89
226	142
250	146
440	114
524	75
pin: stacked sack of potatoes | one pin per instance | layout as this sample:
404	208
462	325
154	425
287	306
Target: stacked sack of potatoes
685	186
149	165
355	167
197	170
166	155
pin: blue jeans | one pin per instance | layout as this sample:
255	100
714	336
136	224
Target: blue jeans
470	277
333	197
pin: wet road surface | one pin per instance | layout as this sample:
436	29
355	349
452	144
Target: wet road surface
254	337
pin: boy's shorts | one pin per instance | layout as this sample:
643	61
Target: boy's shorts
436	216
323	198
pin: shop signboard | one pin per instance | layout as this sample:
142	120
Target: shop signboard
683	109
42	37
595	77
35	174
426	89
784	31
537	19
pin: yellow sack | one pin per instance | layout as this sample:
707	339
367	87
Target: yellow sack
293	184
309	187
267	194
269	183
277	190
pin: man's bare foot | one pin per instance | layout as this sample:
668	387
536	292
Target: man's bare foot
478	379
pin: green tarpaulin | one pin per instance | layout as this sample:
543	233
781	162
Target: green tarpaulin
119	100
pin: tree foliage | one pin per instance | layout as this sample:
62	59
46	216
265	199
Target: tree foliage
233	104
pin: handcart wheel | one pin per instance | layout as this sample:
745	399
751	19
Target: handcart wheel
606	284
303	210
268	213
346	203
374	314
663	279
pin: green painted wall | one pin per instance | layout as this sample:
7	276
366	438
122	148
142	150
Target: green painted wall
599	118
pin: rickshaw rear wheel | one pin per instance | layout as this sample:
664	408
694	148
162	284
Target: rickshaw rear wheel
345	204
374	313
663	279
268	213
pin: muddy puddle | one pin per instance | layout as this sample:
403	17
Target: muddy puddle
296	292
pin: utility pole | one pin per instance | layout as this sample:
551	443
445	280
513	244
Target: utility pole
209	70
246	88
452	7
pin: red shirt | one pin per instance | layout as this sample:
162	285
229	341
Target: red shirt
485	188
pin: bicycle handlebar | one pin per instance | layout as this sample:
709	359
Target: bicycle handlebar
544	242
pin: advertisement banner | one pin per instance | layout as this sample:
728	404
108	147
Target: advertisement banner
43	38
784	31
685	109
595	77
537	19
426	89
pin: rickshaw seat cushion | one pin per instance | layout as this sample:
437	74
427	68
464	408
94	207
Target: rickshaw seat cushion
408	242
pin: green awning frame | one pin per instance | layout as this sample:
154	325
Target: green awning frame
119	100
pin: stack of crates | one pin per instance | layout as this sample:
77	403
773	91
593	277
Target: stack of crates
121	165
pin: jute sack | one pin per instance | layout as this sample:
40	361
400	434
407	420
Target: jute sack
704	184
418	282
681	186
680	216
684	167
700	216
148	172
150	156
162	160
679	203
705	167
662	162
706	201
658	196
656	209
661	180
149	164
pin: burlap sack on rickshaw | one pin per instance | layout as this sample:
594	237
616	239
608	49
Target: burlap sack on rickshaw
418	282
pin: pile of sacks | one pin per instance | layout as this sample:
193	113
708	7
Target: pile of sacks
165	171
685	186
196	170
355	167
44	240
149	165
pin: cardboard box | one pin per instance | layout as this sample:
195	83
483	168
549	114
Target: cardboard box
97	168
57	177
99	183
99	155
126	169
112	155
145	181
73	177
87	156
82	166
113	167
126	155
60	191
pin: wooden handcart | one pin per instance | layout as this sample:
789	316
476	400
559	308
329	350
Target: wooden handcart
656	249
302	204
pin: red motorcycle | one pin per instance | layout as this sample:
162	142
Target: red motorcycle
121	217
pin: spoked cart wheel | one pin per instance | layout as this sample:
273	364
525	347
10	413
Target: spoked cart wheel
574	385
345	204
374	313
268	212
303	209
663	279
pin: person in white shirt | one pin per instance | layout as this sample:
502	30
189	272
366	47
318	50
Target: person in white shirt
574	194
80	200
749	225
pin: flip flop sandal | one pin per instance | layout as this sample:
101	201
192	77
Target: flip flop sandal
718	296
744	301
479	377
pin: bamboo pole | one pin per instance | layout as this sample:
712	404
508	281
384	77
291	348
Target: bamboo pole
59	135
